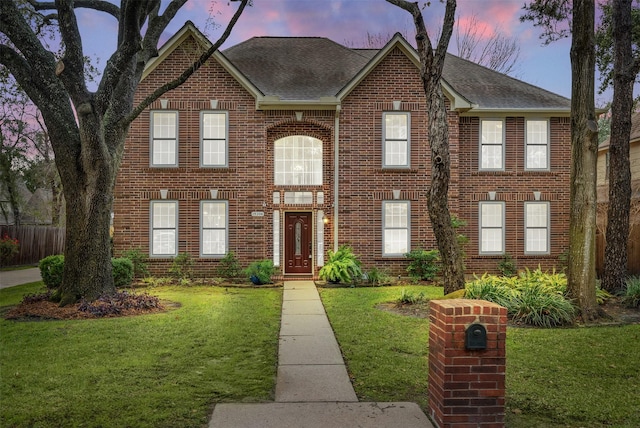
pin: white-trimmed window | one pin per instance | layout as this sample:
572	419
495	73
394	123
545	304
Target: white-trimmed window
536	223
537	145
164	138
298	161
214	127
164	228
213	228
395	228
395	144
492	144
492	228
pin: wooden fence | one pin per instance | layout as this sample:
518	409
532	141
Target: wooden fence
633	252
36	242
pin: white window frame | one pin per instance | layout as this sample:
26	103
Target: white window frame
224	227
528	227
153	227
531	142
388	141
285	172
154	140
482	226
386	227
491	143
224	140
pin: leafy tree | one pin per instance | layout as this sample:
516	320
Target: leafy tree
88	129
552	16
431	64
619	63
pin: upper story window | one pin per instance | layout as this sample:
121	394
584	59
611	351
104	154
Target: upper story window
164	228
395	228
213	228
491	144
395	144
537	145
492	226
214	139
536	220
164	138
298	161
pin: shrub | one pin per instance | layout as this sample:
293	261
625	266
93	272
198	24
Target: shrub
507	266
631	295
423	264
51	269
376	277
115	304
260	271
122	270
410	298
182	267
341	266
139	260
228	267
8	248
490	288
539	306
534	297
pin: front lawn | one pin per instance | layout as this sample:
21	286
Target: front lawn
161	370
575	377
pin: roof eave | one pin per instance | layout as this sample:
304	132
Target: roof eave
276	103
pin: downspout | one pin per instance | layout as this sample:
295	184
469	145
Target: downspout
336	175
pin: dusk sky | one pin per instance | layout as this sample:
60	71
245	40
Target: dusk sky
349	21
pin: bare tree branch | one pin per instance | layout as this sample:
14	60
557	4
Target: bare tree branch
101	6
188	72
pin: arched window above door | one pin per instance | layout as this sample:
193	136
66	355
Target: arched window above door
298	161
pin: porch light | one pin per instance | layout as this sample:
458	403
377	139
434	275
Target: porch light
325	219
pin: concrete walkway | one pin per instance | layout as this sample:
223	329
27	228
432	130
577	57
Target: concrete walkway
11	278
313	389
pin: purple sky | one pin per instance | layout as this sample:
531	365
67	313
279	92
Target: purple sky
349	21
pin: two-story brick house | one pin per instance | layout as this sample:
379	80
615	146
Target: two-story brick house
283	148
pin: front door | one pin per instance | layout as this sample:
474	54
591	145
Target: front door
297	243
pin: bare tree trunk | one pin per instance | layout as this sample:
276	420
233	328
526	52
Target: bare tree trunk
584	147
431	64
617	235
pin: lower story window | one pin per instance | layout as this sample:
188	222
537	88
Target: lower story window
164	228
395	225
492	227
536	221
213	228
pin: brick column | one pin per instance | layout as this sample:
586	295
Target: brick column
466	387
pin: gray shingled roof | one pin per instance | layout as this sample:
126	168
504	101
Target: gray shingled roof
296	68
307	68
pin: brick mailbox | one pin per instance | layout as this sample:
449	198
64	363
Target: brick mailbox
467	363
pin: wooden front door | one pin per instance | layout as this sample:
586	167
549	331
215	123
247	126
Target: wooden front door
297	243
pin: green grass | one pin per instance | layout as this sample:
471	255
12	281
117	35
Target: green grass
385	353
161	370
578	377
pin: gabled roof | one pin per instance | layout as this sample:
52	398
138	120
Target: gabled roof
315	72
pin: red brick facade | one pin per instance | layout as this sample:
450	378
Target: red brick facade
466	386
363	184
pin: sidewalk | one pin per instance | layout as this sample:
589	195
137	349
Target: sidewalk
11	278
313	389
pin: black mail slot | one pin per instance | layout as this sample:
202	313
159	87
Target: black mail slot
475	337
